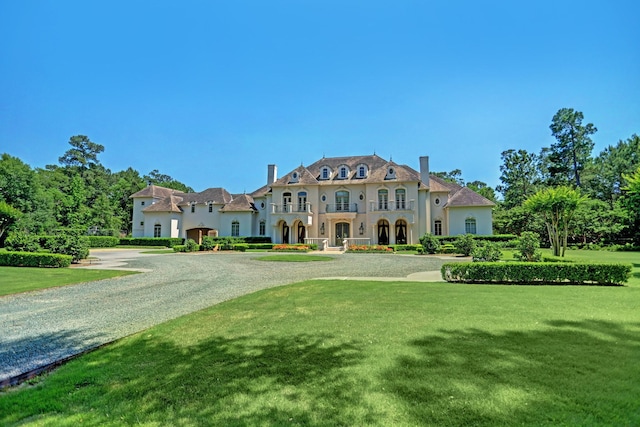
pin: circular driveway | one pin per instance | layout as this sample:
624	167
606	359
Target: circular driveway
39	328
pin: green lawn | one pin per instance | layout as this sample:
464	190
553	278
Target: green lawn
14	280
363	353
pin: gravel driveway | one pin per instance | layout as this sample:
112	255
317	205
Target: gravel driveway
42	327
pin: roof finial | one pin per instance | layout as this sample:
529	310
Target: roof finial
391	158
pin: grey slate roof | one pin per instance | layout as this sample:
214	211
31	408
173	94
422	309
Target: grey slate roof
168	204
217	196
155	191
467	197
240	203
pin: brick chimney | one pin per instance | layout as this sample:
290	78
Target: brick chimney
424	170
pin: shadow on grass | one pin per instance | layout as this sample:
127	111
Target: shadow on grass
570	373
297	380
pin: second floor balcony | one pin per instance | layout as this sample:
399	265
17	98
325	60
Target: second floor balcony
291	208
341	207
393	205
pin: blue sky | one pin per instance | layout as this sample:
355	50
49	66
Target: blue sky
210	92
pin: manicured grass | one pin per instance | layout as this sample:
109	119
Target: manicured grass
363	353
294	258
14	280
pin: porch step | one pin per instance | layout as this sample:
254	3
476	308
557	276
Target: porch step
335	249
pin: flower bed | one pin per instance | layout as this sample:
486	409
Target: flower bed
291	248
370	249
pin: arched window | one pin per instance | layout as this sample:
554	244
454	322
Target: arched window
263	227
302	201
342	200
286	201
235	228
437	227
325	173
401	199
344	172
383	200
362	171
401	232
470	226
157	230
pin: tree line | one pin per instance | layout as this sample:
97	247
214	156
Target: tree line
80	193
77	193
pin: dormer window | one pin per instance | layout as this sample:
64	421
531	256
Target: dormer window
344	172
295	176
391	173
362	171
325	173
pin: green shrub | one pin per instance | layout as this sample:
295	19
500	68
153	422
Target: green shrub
103	241
167	242
401	248
487	252
22	242
498	238
528	247
70	242
447	248
540	273
240	247
267	246
29	259
430	243
191	246
465	244
180	248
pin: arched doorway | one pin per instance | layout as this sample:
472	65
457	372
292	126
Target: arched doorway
302	232
285	233
383	232
401	232
342	232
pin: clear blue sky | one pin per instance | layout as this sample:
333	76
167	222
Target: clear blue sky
210	92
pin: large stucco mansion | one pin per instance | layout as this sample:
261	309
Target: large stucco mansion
363	199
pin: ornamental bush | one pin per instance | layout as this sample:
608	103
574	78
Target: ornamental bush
487	252
540	273
22	242
285	247
70	242
103	241
430	243
167	242
528	247
370	249
465	244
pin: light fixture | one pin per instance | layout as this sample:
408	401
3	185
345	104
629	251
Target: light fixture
322	228
361	228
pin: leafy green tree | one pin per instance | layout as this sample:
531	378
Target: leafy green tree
156	178
22	242
520	176
609	166
595	221
573	150
8	216
125	183
631	202
18	184
82	154
557	206
516	220
455	176
483	189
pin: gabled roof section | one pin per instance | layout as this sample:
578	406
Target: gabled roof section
155	191
437	184
210	195
467	197
261	192
168	204
240	203
303	177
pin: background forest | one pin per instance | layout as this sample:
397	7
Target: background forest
80	193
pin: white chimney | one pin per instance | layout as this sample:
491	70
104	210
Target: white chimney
272	175
424	170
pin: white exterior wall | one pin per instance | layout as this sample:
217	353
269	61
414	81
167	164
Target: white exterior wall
169	221
245	220
137	228
482	215
201	218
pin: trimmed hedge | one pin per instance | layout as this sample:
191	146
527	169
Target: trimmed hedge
31	259
503	238
168	242
400	248
103	241
267	246
536	273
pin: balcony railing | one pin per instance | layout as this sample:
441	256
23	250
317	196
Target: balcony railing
342	207
291	208
398	205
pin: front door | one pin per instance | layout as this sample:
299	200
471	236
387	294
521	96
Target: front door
285	233
342	232
383	232
302	233
401	232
